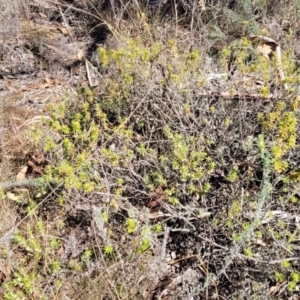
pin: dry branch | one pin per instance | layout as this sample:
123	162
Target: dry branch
228	95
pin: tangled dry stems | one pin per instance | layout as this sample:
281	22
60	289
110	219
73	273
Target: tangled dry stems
165	187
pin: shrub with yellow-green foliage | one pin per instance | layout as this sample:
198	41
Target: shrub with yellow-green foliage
39	245
150	127
116	144
282	124
155	165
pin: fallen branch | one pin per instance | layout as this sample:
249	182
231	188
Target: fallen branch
36	182
228	95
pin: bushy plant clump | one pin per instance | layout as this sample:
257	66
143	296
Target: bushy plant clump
159	171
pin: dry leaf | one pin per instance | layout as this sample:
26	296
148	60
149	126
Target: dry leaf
156	197
63	30
156	214
42	15
266	45
22	174
36	168
260	242
60	251
12	196
80	54
37	163
273	289
267	49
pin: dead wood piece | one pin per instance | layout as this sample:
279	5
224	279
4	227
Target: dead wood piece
36	182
